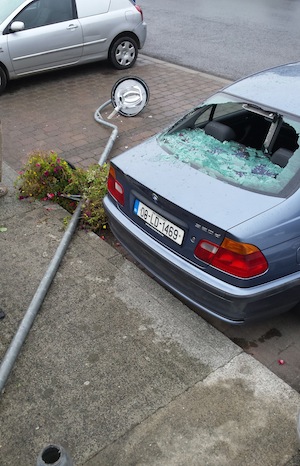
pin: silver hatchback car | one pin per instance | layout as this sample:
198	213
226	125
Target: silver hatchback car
42	35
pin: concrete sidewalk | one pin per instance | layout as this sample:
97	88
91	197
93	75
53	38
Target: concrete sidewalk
119	371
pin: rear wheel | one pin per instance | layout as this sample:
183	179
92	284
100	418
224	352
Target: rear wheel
123	53
3	80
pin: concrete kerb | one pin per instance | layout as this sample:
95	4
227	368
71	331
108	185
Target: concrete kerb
223	81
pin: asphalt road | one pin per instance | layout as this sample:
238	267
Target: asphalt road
228	38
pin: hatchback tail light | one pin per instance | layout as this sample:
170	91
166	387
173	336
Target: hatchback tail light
239	259
114	186
140	11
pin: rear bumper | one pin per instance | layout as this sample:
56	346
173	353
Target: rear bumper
198	288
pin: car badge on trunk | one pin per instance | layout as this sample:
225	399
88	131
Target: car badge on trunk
155	197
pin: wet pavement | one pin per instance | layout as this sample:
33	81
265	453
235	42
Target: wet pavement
55	111
116	369
274	342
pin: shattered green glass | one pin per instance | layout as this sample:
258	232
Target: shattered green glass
229	161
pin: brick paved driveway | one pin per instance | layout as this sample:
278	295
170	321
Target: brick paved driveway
55	111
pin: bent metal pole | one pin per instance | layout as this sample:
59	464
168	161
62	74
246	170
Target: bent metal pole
98	117
28	319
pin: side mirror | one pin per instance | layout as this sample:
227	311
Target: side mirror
17	26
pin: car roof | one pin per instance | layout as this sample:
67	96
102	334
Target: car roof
276	89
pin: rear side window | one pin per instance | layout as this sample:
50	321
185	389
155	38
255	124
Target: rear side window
91	7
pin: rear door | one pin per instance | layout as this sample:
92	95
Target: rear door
99	26
52	36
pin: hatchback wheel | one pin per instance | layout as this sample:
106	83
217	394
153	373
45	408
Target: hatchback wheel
123	53
3	80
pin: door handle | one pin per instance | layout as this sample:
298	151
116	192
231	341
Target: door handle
72	26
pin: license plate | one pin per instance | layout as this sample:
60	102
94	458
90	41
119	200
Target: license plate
158	223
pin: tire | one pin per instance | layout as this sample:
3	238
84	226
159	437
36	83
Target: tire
3	80
123	53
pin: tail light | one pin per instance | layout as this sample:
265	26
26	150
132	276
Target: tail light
114	186
239	259
140	11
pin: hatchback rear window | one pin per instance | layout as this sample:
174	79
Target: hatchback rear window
92	7
238	143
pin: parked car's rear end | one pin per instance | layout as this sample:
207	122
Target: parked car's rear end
211	206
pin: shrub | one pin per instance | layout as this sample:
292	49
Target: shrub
48	177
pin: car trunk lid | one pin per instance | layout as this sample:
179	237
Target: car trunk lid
189	190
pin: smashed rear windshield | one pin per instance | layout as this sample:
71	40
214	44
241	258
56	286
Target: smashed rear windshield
238	143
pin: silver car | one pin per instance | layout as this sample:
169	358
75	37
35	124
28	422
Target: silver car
42	35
